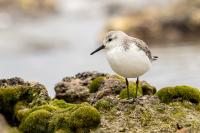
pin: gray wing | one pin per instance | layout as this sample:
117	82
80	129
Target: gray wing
143	46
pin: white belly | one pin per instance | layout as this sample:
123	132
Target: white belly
130	63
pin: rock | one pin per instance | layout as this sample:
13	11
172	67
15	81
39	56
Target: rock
75	89
89	75
141	114
28	106
145	113
177	22
92	86
12	82
188	93
148	89
15	90
58	116
72	91
96	84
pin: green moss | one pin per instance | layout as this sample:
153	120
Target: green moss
46	107
63	131
145	118
21	110
132	91
82	130
85	116
36	122
96	83
122	79
57	115
178	114
188	93
147	89
9	96
29	95
74	117
60	103
197	107
59	121
103	104
12	130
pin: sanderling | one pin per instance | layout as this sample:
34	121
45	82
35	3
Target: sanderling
129	57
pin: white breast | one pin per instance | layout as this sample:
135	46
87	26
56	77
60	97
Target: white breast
129	63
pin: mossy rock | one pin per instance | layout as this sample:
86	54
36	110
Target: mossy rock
96	83
132	91
59	116
75	116
169	94
63	131
148	89
103	104
11	95
60	103
85	117
36	122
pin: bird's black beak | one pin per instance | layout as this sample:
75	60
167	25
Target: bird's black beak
98	49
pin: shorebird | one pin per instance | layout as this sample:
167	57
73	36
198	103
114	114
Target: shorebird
129	57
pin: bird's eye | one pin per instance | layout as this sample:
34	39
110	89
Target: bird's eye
110	39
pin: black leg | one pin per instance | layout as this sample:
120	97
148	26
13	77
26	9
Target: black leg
137	85
127	88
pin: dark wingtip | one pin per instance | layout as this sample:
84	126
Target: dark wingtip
155	58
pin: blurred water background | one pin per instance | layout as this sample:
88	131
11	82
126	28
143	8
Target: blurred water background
47	41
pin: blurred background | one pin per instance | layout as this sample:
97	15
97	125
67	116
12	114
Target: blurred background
46	40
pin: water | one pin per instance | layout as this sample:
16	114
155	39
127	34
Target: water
46	50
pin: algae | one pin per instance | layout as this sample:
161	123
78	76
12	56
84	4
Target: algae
132	91
169	94
96	83
103	104
60	116
11	95
36	122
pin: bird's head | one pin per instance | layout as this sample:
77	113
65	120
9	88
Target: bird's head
111	40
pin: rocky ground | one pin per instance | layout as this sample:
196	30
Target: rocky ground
97	103
173	23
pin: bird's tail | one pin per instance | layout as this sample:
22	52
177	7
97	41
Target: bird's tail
155	58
